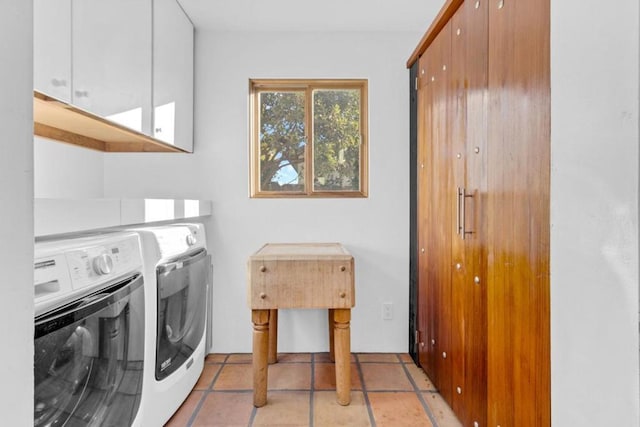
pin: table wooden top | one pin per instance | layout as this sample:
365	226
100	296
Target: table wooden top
301	251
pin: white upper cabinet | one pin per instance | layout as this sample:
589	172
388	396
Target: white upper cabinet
127	61
173	38
112	60
52	48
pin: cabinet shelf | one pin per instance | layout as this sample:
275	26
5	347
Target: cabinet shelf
58	120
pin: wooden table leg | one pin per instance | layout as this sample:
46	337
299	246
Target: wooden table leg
342	333
260	319
332	354
273	336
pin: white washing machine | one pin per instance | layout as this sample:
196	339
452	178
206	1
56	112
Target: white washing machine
89	331
177	276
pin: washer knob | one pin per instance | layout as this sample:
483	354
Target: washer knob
191	240
102	264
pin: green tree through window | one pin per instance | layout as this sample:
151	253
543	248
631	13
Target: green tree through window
285	161
282	141
336	140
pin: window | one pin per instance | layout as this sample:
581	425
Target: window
308	138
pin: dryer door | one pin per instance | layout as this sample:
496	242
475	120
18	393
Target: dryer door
182	290
89	358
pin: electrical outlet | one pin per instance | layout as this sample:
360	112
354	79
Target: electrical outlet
387	311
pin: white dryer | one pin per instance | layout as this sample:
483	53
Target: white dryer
177	276
89	331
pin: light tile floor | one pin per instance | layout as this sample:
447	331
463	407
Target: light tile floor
387	390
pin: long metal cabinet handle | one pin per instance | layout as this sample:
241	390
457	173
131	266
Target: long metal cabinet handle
463	197
462	219
458	228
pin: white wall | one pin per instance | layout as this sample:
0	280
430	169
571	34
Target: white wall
67	171
375	229
594	213
16	213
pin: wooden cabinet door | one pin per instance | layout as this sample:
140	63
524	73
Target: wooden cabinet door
518	214
444	206
427	304
469	142
458	266
474	32
436	204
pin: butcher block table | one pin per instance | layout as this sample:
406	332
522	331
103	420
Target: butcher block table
301	275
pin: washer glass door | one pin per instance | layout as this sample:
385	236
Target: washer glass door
89	358
182	290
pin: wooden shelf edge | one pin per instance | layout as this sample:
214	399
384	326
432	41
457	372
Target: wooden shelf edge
436	26
50	132
64	122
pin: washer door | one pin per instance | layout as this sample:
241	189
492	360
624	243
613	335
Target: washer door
182	290
88	359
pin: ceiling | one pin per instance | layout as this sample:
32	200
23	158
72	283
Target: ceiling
308	15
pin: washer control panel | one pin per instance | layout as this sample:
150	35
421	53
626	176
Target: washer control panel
177	239
68	268
91	264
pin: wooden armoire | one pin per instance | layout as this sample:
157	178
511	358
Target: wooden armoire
480	226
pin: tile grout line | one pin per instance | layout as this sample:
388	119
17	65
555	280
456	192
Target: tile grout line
194	415
380	362
254	410
398	391
252	418
280	363
419	395
245	391
313	386
215	378
372	420
205	393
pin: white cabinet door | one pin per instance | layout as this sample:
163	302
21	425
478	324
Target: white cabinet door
172	74
52	48
112	60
